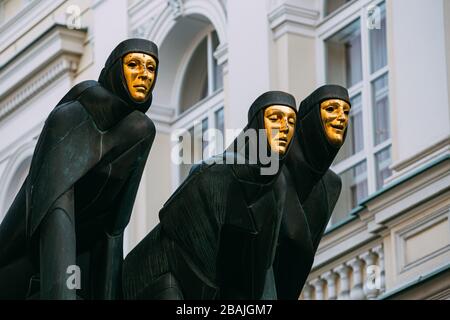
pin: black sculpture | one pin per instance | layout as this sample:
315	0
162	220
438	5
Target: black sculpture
218	231
78	196
312	190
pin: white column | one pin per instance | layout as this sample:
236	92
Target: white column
344	277
378	250
356	292
318	288
331	278
307	292
372	271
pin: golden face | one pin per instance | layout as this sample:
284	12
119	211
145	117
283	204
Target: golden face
279	122
334	113
139	70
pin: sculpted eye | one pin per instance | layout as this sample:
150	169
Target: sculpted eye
330	109
273	117
151	68
132	64
291	120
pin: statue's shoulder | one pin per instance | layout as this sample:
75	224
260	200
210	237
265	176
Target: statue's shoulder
67	102
69	112
77	91
331	179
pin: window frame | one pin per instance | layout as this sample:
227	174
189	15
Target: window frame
327	27
207	32
194	116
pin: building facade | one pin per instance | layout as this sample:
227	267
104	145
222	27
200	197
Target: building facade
389	236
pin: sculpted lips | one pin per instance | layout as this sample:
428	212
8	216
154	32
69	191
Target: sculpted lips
283	140
140	87
338	126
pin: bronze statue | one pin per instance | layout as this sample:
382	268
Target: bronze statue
312	190
78	196
218	232
231	232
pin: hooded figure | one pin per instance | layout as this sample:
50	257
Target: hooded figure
219	230
78	196
312	190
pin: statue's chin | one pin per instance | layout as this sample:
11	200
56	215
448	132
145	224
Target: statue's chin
336	142
139	98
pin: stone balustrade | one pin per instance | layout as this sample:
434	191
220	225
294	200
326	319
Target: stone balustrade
359	278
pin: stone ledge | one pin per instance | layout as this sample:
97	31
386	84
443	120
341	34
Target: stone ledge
55	52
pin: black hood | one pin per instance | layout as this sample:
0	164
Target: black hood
312	154
246	151
113	79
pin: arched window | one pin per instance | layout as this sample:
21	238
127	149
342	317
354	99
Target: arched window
203	76
201	105
189	94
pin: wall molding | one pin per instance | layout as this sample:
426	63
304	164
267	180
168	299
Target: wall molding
14	28
432	152
288	18
439	216
60	67
55	53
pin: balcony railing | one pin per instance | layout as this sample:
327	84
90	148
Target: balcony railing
361	277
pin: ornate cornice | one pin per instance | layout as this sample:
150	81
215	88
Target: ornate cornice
34	11
64	64
54	53
288	18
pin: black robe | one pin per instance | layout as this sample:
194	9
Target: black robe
218	231
86	167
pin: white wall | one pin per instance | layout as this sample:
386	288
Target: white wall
154	190
418	75
248	58
110	27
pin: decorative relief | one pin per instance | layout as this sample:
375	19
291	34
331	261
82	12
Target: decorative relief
176	7
143	30
40	82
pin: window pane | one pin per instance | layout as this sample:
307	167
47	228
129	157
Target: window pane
217	71
220	126
333	5
185	154
204	142
377	34
343	55
380	92
354	189
383	161
195	82
193	146
354	142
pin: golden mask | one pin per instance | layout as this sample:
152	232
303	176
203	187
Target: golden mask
139	70
334	113
279	122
